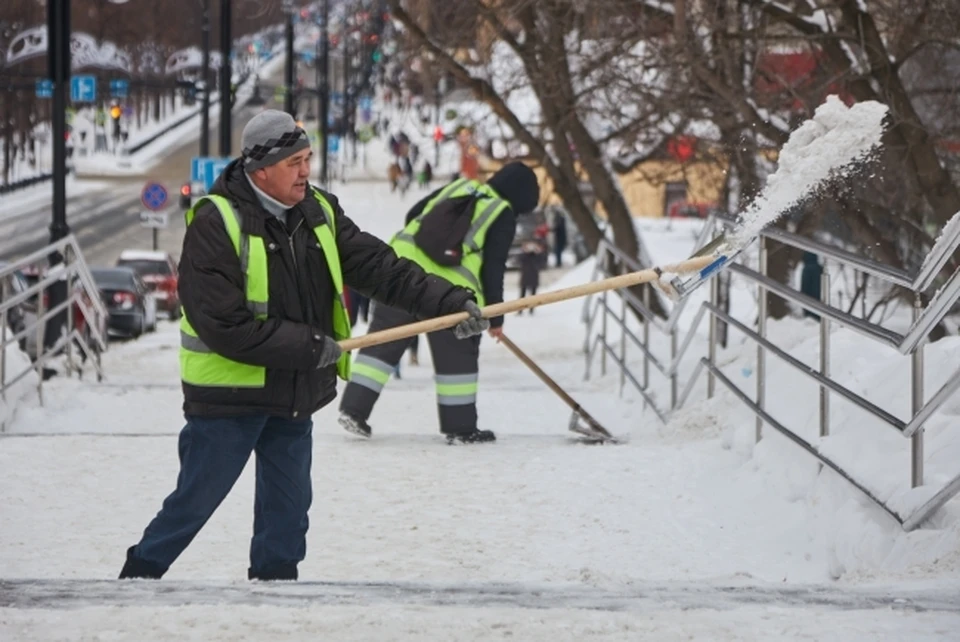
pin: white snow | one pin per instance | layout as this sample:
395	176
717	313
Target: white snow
835	137
663	532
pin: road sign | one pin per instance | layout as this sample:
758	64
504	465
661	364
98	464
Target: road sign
212	170
83	89
119	88
44	88
154	196
156	220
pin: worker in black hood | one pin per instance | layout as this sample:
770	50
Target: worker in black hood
462	233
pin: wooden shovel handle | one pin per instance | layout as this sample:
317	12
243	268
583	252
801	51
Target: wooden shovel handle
441	323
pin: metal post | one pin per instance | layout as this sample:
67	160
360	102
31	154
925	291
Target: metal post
4	295
226	73
324	63
58	38
646	339
69	312
603	336
762	331
156	239
916	374
712	339
289	63
205	75
824	354
41	324
436	124
623	343
673	375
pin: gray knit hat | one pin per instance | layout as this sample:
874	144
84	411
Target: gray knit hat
269	137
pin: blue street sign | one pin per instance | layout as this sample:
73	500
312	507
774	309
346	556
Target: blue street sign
119	88
212	169
333	144
154	197
196	169
83	89
45	88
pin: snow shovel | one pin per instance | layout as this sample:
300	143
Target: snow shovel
590	428
704	266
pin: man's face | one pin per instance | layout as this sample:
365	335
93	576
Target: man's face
286	181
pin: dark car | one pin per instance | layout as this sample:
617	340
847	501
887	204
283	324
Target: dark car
159	272
132	309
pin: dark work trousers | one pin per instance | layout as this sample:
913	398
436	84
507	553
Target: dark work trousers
213	452
454	363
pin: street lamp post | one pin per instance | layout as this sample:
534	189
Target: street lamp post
58	53
226	91
289	63
323	85
205	75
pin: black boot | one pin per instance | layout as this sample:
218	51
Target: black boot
136	568
473	437
355	425
273	573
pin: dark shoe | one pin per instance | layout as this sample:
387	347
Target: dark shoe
136	568
473	437
274	573
357	426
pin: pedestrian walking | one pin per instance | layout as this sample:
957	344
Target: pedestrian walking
265	260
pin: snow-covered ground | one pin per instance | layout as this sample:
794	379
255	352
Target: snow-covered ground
684	531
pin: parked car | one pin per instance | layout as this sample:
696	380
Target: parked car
20	281
132	309
159	272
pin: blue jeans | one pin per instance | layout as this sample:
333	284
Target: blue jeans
213	452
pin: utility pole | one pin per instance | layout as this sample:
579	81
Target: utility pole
205	75
323	86
58	53
226	91
288	66
346	91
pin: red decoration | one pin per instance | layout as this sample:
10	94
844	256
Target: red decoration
681	148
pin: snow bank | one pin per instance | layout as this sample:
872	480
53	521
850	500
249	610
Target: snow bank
22	392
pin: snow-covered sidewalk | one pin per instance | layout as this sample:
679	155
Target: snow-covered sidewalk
672	535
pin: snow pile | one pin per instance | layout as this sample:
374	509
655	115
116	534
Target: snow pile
835	137
23	392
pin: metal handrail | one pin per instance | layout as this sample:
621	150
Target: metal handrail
910	343
82	294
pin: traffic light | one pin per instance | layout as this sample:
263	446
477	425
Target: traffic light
185	196
115	113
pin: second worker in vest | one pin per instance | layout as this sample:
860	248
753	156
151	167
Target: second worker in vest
461	232
262	273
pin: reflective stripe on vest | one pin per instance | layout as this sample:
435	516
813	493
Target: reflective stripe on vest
485	212
201	366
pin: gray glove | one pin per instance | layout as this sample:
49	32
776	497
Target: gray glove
475	325
329	352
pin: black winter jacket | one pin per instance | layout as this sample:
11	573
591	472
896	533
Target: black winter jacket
301	299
